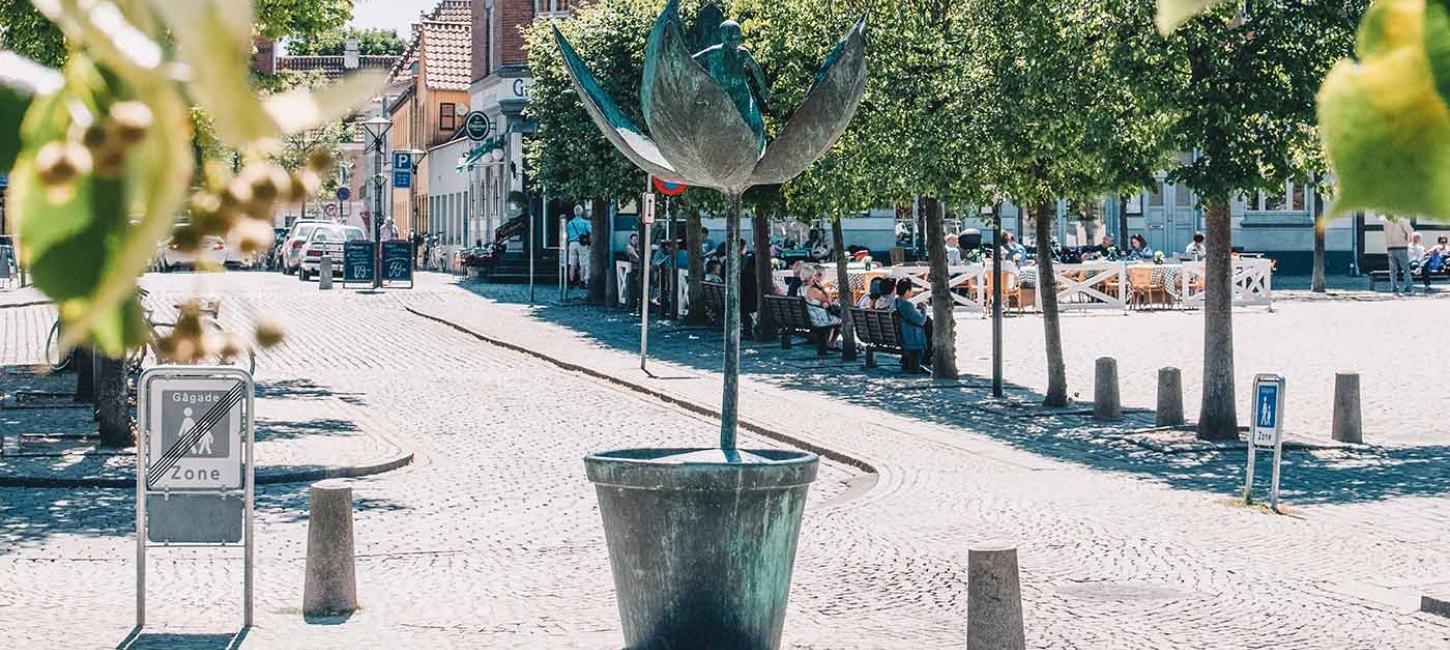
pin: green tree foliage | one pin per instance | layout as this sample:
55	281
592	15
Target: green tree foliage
25	31
371	42
278	19
1247	107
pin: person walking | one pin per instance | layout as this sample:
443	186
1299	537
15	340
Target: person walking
577	233
1397	243
389	231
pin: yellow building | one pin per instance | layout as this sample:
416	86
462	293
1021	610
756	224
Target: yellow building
430	109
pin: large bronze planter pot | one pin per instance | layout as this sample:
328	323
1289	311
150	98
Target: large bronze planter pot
702	543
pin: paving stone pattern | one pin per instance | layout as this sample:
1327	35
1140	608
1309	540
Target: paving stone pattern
492	539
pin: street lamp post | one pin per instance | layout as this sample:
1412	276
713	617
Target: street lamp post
377	128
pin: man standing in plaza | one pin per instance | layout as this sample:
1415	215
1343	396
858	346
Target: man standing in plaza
1397	244
577	232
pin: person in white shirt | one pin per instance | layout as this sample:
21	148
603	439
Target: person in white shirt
1196	250
1397	244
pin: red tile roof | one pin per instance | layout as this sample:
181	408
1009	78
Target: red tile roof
444	36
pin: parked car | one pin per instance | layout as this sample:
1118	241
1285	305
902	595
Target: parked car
326	239
211	254
292	245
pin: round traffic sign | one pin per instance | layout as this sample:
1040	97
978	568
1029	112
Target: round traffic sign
668	188
343	193
476	125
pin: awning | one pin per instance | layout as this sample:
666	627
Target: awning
471	158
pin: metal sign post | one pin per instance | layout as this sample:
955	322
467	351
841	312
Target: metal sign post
647	214
194	466
1267	433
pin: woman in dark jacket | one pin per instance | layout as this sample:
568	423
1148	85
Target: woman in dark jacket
913	329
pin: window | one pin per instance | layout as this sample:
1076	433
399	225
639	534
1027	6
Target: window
1182	196
1289	199
447	116
1155	195
551	8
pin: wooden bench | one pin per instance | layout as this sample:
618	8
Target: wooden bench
879	330
1377	267
790	315
715	301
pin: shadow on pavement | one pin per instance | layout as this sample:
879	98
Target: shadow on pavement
303	389
1310	477
141	640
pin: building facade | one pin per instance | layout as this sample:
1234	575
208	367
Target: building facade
435	71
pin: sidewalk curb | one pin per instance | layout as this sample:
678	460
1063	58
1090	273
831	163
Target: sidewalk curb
673	400
33	303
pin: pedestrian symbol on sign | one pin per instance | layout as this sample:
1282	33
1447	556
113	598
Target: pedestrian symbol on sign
1268	396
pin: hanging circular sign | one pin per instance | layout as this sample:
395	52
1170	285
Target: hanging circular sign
476	125
668	188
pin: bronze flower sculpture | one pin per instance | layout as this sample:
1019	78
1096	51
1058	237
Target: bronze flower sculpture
706	130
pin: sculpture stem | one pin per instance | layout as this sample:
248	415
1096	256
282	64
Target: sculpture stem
730	400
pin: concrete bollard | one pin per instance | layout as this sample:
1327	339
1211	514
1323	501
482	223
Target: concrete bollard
331	582
1170	398
1106	405
324	273
994	599
1348	425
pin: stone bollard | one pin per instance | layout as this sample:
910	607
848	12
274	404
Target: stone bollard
1106	405
324	273
1170	398
994	599
1348	425
331	582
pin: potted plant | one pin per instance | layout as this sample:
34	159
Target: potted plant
702	541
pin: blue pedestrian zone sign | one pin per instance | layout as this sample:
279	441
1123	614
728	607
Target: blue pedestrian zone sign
402	179
1268	410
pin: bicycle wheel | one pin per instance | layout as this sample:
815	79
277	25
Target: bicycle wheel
56	358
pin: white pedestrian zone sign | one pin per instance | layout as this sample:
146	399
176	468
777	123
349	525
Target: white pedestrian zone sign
194	468
213	460
1266	433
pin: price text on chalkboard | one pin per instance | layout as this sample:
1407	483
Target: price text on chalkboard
397	261
358	261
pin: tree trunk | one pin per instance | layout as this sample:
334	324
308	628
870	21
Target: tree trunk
84	362
943	332
1051	326
696	274
113	417
1218	417
1316	282
599	253
730	399
843	292
765	329
1122	219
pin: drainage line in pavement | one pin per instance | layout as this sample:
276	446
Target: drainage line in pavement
664	397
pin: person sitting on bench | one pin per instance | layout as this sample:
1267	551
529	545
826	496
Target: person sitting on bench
818	305
880	295
913	329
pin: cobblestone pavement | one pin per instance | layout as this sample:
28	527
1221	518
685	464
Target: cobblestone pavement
492	539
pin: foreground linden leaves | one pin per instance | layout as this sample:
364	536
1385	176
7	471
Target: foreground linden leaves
214	39
1386	129
20	80
301	109
1172	13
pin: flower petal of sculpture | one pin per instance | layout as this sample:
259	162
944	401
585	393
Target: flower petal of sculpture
693	120
819	121
617	128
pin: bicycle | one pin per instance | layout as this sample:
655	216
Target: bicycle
57	359
150	353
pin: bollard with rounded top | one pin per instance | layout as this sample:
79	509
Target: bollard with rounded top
331	582
324	273
1170	398
1348	425
1106	405
994	598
